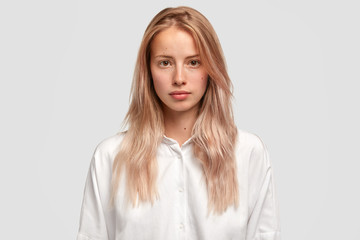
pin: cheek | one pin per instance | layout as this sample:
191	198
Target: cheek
159	81
203	82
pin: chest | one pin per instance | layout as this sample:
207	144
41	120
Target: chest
181	212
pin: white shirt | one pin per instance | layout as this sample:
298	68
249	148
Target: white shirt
181	211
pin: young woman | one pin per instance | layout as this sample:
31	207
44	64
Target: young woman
182	170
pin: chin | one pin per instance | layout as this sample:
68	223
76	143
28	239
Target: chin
179	108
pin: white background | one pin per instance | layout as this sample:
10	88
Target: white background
66	69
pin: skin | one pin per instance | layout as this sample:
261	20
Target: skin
175	65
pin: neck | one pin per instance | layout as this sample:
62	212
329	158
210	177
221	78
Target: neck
178	125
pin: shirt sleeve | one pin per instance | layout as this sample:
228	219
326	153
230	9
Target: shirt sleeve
263	222
93	216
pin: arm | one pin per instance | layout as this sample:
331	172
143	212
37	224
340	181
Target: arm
263	221
94	211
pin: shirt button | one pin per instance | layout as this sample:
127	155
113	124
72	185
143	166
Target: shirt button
181	189
181	226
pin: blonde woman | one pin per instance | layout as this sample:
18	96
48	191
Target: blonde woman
182	170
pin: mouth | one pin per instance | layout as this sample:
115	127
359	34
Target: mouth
179	95
179	92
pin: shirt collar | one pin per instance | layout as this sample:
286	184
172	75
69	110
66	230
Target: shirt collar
170	141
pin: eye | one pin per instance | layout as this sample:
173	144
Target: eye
194	63
164	63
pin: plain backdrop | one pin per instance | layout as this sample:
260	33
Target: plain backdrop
66	69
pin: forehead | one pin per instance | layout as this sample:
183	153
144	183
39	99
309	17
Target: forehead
174	42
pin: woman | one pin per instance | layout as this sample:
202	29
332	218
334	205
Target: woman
182	170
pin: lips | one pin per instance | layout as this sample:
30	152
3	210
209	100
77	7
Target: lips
179	92
179	95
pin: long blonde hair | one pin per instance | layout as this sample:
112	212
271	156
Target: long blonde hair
214	132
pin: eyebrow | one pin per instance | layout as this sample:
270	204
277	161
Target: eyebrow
166	56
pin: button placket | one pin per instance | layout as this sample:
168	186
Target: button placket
181	196
178	155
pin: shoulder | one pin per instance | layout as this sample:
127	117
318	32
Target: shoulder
250	140
107	148
253	147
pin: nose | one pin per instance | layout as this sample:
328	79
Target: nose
179	77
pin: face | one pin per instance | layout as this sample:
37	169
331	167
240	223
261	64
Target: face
179	77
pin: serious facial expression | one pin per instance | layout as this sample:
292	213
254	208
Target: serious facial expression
179	78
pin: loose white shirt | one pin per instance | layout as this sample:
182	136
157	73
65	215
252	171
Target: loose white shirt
181	212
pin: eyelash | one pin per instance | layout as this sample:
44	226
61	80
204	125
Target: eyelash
161	63
197	62
168	62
